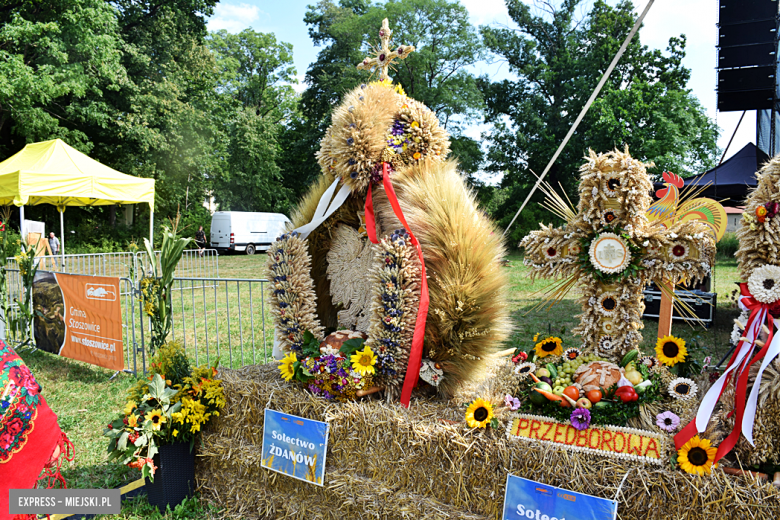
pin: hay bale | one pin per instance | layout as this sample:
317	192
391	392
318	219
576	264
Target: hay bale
385	461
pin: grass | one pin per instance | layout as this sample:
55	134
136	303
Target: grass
85	398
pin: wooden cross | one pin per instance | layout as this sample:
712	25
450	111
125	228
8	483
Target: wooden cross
611	249
383	55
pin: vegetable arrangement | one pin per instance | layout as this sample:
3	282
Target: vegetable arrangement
613	394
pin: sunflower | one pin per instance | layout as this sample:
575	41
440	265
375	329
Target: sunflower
132	421
286	366
157	418
697	456
363	361
571	354
611	184
129	407
683	388
670	350
608	217
550	346
479	413
679	251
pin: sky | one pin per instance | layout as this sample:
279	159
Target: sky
695	18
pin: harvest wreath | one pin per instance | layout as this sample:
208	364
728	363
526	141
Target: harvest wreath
389	244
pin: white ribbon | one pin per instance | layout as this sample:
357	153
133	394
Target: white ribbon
711	398
325	210
752	403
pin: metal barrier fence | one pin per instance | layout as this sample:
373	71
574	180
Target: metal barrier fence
227	320
213	318
193	263
131	265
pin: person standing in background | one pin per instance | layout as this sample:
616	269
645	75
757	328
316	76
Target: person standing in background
200	240
54	245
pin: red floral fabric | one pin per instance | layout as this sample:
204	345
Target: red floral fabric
29	433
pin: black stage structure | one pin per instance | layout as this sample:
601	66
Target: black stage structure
748	65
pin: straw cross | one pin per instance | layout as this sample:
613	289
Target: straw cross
611	250
383	56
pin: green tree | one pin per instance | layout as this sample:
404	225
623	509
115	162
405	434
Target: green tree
56	60
169	118
255	77
558	60
127	81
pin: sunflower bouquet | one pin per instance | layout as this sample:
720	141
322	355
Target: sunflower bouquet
171	406
335	374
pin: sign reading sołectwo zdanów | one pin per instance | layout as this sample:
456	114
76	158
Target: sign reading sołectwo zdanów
295	446
526	499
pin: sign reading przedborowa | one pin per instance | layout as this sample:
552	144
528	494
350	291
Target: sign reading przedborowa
614	441
295	446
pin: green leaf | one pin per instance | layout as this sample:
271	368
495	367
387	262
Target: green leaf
121	444
310	345
351	346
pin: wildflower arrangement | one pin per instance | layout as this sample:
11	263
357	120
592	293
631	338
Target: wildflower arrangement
171	406
156	289
335	374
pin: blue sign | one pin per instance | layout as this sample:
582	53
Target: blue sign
295	446
526	499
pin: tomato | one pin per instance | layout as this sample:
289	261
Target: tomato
594	396
572	392
626	394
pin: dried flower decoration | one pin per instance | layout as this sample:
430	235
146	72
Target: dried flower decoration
764	284
683	388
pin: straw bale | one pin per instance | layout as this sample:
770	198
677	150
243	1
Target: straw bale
388	462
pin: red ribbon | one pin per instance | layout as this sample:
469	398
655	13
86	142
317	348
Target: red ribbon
415	356
742	373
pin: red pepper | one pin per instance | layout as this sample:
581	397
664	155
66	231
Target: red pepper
626	394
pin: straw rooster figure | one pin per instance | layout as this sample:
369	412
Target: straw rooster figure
666	207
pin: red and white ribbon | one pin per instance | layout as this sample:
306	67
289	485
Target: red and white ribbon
739	367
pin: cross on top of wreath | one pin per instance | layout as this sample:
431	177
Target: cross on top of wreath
612	250
384	56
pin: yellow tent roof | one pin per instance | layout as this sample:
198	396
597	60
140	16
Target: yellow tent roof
52	172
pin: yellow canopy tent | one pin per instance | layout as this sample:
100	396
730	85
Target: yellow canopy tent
51	172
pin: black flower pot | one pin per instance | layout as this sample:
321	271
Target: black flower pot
174	479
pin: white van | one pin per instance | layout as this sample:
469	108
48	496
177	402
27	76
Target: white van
245	231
